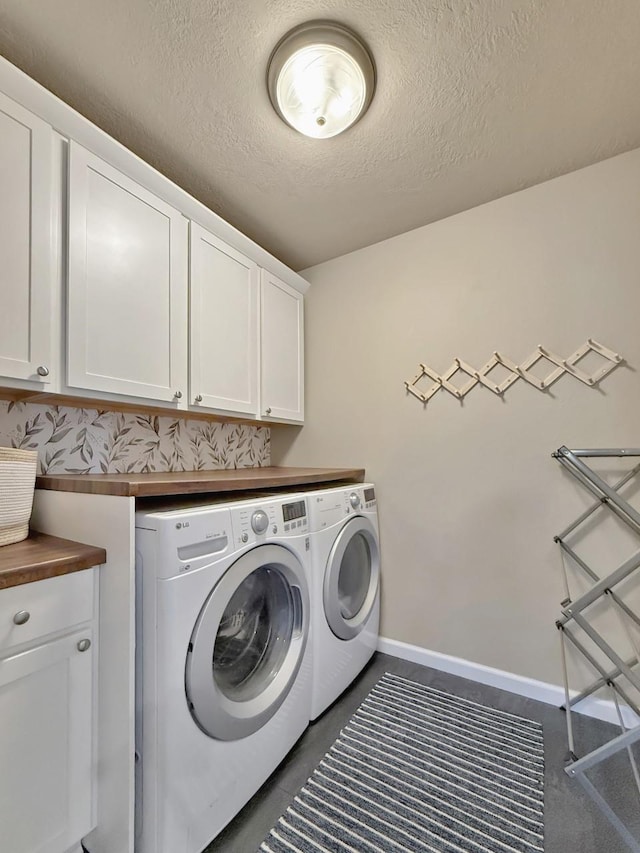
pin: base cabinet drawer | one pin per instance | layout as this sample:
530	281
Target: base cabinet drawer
33	610
46	756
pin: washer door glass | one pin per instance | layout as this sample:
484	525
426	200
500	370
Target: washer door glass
351	578
254	634
354	577
248	643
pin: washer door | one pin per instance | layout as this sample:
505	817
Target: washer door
351	578
248	643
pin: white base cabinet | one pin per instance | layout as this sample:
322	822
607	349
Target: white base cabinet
46	708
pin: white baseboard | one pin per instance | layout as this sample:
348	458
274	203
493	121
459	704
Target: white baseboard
551	694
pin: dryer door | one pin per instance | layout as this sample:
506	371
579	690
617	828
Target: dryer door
351	578
248	643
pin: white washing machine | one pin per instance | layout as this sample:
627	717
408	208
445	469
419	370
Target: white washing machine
345	587
223	662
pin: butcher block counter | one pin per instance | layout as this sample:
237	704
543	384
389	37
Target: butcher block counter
198	482
41	556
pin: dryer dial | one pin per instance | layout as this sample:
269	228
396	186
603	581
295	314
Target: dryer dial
354	500
259	521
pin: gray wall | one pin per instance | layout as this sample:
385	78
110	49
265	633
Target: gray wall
469	496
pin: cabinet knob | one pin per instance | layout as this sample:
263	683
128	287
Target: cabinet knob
178	395
267	411
21	617
42	370
83	645
198	398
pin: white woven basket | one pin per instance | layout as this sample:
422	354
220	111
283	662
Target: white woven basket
17	482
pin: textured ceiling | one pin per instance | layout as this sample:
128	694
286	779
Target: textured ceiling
475	99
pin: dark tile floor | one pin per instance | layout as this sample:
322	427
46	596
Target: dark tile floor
572	823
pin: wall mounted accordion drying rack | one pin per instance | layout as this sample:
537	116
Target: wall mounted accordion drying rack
609	360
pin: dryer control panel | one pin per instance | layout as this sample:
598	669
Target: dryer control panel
331	506
369	495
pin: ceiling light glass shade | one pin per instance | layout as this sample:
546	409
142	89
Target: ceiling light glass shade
321	79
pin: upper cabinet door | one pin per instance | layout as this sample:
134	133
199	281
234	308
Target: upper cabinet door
282	364
127	298
26	250
224	326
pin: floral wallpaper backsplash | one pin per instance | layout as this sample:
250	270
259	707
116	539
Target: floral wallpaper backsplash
90	441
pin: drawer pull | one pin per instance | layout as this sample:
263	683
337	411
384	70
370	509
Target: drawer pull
22	617
83	645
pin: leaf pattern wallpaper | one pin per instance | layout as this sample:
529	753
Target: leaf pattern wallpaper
90	441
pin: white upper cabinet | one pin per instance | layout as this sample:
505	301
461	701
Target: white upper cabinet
246	352
127	293
123	311
26	250
282	350
223	362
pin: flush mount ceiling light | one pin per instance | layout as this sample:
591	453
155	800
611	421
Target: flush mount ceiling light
321	78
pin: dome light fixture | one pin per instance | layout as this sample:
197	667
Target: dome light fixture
321	78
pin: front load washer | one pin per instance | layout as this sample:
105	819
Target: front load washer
223	662
345	587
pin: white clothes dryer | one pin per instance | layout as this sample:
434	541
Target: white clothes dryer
223	662
345	587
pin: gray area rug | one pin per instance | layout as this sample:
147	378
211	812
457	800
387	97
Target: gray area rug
416	769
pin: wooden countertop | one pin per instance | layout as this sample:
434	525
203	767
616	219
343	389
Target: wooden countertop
41	556
196	482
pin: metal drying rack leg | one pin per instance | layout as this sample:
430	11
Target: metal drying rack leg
578	613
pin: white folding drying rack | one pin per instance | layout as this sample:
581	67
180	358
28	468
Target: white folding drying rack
576	614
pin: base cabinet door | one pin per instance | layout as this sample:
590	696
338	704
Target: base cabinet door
282	351
46	746
26	250
223	362
127	296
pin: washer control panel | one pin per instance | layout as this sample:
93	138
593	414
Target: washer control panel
252	522
294	516
258	522
186	539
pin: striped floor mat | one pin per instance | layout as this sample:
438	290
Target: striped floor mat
418	770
